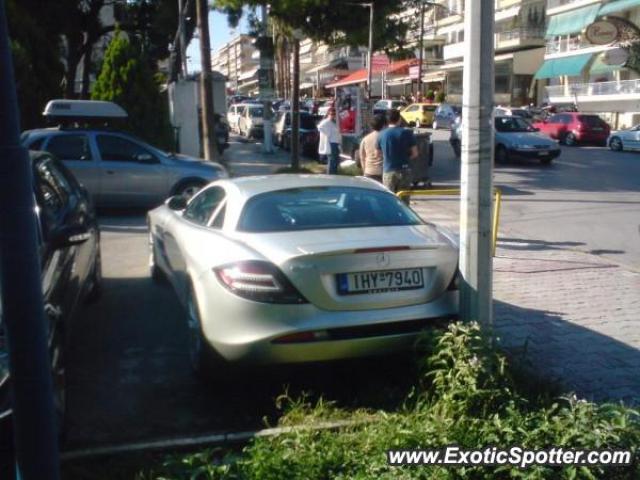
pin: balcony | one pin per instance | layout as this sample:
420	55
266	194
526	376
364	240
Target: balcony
553	5
520	37
566	45
611	93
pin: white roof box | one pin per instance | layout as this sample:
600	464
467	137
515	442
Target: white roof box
87	109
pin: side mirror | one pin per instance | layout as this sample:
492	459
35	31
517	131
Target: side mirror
69	235
146	158
177	203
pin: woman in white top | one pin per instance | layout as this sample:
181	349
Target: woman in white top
329	144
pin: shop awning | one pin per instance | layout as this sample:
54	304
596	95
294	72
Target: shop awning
398	81
570	66
359	76
573	21
618	6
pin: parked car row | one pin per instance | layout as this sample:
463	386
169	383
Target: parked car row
69	246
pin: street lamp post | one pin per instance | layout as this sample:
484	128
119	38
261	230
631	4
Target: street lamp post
370	52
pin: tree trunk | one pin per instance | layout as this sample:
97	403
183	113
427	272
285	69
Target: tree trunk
86	71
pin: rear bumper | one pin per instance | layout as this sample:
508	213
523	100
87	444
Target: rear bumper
248	332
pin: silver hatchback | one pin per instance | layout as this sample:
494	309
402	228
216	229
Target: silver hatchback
120	170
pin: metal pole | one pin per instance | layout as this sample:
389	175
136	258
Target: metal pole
36	441
420	53
370	53
477	163
206	86
266	89
295	106
183	47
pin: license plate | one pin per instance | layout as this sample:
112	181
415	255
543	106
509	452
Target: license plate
597	129
543	153
380	281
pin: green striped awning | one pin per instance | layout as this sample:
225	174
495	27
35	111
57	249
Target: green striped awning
573	21
570	66
618	6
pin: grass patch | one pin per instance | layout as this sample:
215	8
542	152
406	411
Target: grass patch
468	395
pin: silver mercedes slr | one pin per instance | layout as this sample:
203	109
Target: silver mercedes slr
301	268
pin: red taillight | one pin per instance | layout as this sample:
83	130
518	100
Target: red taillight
259	281
381	249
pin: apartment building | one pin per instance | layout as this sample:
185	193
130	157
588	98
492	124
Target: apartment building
321	64
519	50
585	58
238	60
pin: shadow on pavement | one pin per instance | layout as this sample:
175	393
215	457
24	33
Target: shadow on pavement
129	377
531	245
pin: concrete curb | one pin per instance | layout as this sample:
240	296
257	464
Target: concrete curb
207	440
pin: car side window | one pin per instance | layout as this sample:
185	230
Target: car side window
202	206
69	147
412	108
118	149
52	189
554	119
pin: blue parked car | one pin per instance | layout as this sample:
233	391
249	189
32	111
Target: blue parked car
514	138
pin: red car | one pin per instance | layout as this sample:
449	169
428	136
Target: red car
572	128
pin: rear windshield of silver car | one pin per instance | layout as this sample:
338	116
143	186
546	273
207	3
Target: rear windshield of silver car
315	208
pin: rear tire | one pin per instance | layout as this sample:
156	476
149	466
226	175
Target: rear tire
616	144
502	156
570	140
205	362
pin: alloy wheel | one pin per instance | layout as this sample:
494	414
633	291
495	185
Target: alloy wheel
615	144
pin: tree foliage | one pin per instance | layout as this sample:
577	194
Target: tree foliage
127	79
334	21
37	51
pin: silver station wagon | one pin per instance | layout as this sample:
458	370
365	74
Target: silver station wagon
117	169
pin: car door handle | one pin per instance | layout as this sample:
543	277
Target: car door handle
111	172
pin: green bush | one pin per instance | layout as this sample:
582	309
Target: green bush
127	79
440	97
469	396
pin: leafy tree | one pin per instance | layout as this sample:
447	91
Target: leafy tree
334	21
37	61
127	79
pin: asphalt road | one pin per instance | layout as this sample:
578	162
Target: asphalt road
128	372
588	199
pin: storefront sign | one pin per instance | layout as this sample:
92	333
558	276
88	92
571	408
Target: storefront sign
602	32
413	72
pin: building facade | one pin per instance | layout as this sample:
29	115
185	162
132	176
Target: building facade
238	60
585	58
519	49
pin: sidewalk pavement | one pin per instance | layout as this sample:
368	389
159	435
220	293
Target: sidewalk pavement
247	158
575	316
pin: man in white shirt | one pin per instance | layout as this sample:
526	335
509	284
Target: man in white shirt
329	144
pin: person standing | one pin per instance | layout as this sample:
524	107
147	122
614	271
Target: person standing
329	142
397	146
370	156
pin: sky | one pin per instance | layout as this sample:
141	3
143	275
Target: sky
219	33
